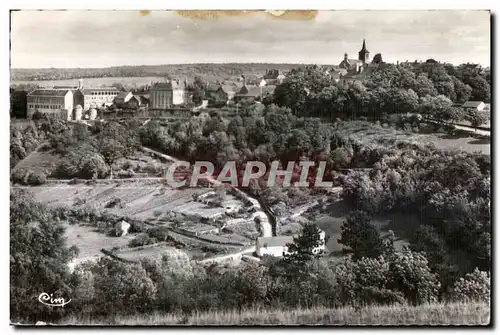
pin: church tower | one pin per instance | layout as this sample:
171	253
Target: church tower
364	54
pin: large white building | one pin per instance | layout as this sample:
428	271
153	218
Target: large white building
168	94
55	102
98	96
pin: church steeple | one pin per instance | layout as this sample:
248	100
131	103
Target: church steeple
364	54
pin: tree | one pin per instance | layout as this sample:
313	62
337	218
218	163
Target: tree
198	88
39	259
361	237
302	250
476	118
377	59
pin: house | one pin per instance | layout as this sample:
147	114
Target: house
56	102
122	98
274	77
248	93
252	79
216	95
274	246
98	96
168	94
474	105
230	91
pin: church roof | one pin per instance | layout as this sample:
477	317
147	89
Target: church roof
363	49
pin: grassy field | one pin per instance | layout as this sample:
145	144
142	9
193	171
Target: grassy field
434	314
90	242
39	162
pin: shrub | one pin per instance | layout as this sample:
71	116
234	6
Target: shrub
141	239
158	233
157	213
474	287
28	177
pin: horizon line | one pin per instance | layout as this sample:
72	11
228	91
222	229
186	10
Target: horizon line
229	63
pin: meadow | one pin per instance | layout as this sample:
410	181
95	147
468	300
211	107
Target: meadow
445	314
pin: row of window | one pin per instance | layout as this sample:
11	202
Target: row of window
104	93
45	106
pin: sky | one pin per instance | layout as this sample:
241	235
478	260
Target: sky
102	38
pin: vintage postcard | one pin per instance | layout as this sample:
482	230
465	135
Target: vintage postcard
328	168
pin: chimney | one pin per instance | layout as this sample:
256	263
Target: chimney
244	80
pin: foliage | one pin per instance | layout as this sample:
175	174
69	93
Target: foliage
37	246
361	237
303	249
142	239
474	286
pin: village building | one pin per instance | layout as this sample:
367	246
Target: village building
126	100
474	106
98	96
252	79
216	95
55	102
168	94
274	77
274	246
354	66
248	93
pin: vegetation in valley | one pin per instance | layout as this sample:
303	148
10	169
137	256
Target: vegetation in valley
447	262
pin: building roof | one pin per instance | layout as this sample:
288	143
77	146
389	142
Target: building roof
213	87
472	104
249	91
363	49
175	84
49	93
274	241
122	95
99	89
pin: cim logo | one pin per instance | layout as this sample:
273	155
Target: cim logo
49	300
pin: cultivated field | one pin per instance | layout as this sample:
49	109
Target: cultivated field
433	314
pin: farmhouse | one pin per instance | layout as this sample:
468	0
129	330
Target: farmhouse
474	106
273	246
55	102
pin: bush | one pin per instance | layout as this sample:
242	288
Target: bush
141	239
158	233
38	178
28	177
474	287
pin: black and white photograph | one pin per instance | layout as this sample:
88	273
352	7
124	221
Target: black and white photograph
250	168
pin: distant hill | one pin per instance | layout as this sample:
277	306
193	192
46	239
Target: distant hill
208	70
